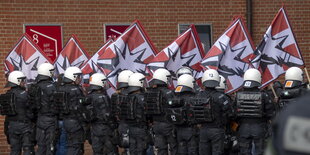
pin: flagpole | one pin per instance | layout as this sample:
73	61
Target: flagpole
274	92
308	78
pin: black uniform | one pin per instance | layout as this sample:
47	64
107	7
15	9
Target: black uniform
119	100
291	129
156	103
101	118
73	119
137	123
47	125
187	132
217	108
20	125
289	95
254	110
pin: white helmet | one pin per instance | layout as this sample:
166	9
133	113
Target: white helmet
122	78
222	85
72	73
136	80
15	78
252	78
186	80
161	75
46	69
210	78
294	73
184	70
97	79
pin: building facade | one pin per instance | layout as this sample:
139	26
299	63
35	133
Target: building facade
162	20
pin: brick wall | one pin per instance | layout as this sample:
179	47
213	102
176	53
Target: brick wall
85	18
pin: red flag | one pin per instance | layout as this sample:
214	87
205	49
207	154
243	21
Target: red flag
132	50
278	50
186	50
231	54
91	65
26	56
71	55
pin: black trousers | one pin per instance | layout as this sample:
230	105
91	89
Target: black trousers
20	137
187	140
138	140
251	132
164	135
101	136
75	137
211	141
46	135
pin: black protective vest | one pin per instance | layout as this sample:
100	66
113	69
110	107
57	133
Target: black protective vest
249	104
41	94
153	102
200	109
133	108
24	110
70	96
116	100
100	107
7	104
176	111
289	96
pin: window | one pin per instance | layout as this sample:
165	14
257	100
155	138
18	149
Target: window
204	33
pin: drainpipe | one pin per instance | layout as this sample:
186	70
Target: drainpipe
249	15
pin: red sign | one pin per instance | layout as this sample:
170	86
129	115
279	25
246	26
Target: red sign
114	30
48	38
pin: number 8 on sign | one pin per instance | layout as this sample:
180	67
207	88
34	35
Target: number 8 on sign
35	38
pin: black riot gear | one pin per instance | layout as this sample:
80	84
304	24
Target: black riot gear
7	104
41	95
176	111
73	119
128	107
153	102
20	126
156	105
289	96
186	131
249	104
61	102
257	109
217	109
200	110
101	118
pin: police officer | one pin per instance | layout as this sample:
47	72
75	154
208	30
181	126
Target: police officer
230	143
293	87
156	102
46	132
73	119
186	70
218	108
291	130
254	111
177	113
101	116
137	119
118	98
20	125
134	113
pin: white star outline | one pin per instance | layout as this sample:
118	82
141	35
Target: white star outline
123	60
61	68
277	43
28	68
